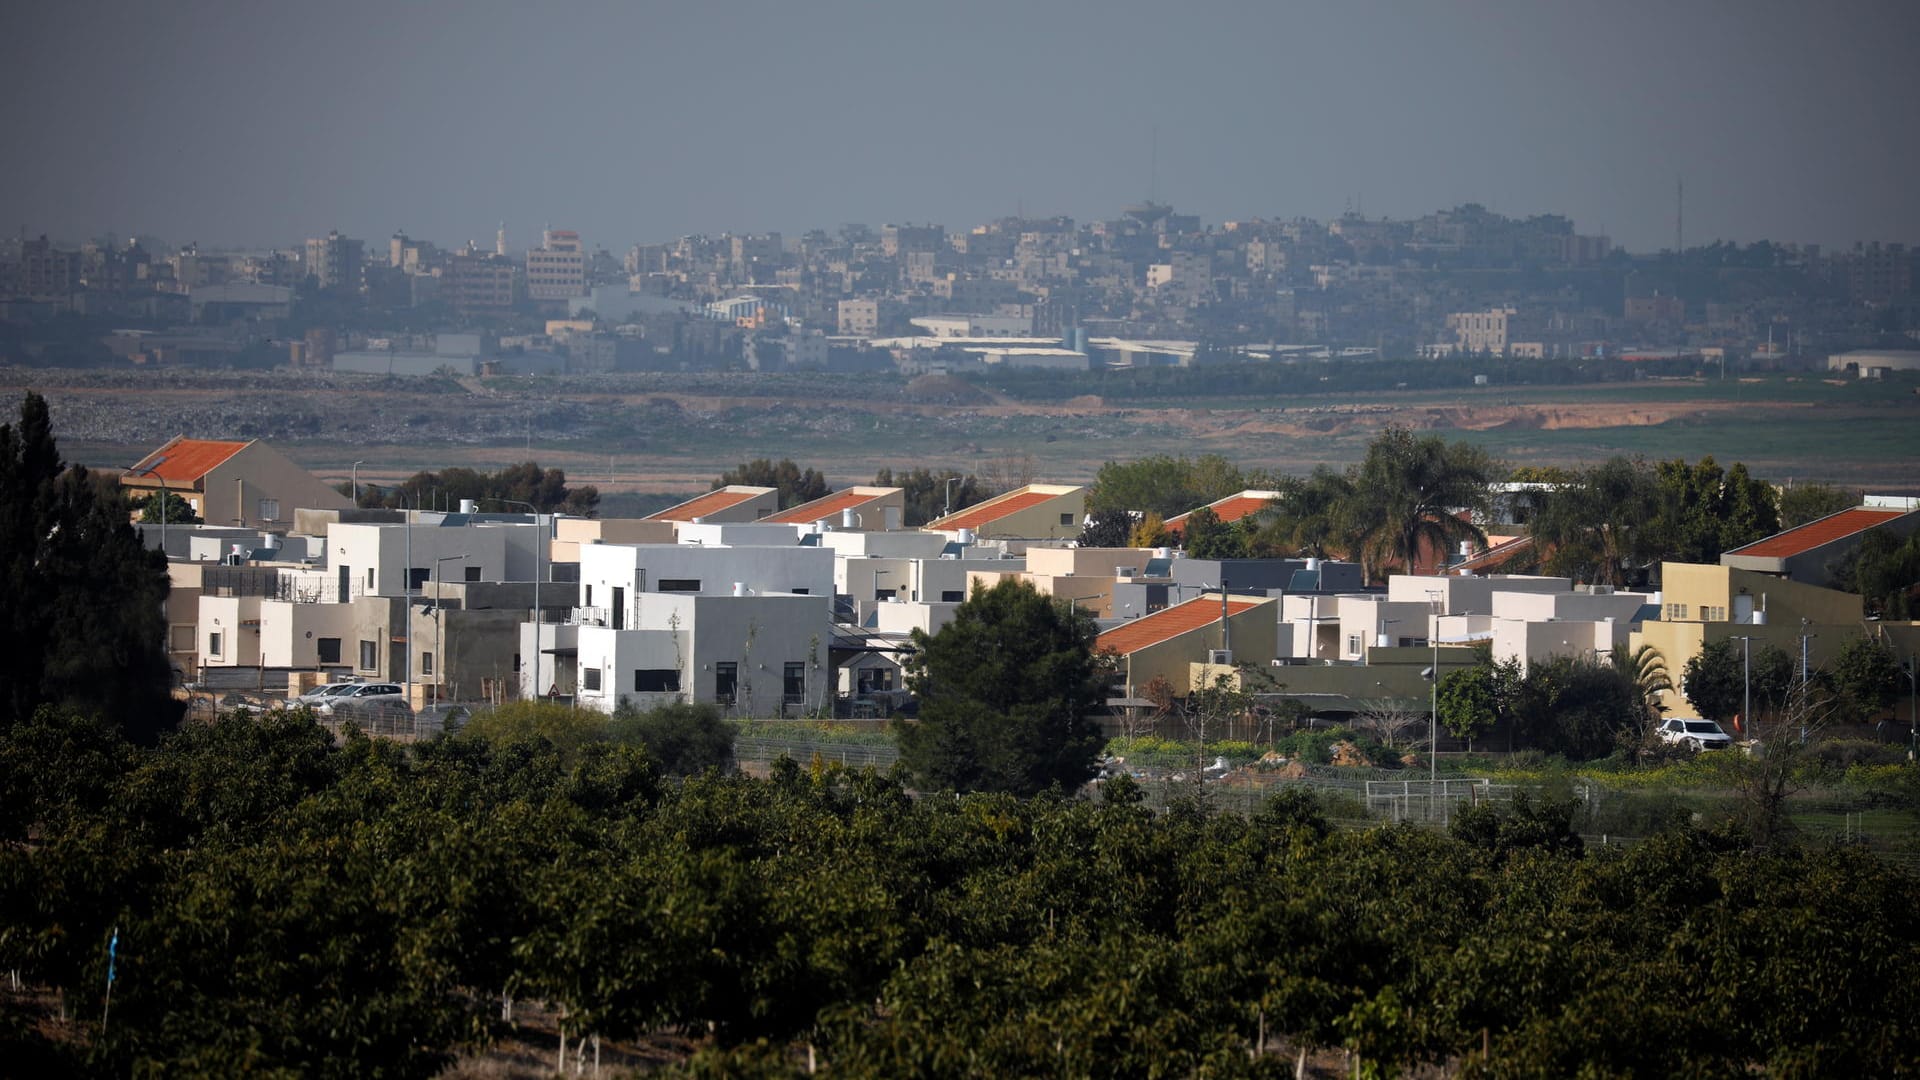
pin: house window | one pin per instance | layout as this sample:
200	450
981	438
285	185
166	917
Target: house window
952	596
328	649
269	510
590	678
586	599
793	687
473	573
426	663
417	577
516	663
726	680
369	579
213	644
656	681
1676	611
1066	519
668	584
1353	643
1713	613
369	655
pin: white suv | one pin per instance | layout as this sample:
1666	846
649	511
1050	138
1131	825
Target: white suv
358	692
1695	734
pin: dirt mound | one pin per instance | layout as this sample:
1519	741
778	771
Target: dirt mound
1345	754
945	390
1086	401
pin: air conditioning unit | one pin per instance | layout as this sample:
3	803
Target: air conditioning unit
1222	657
1126	571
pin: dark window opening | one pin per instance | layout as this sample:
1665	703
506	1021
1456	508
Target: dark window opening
656	681
329	649
726	681
668	584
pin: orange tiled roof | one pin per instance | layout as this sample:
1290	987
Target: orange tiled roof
1137	634
186	460
827	506
992	510
711	503
1230	509
1815	533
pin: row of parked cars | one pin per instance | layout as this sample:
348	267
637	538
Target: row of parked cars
377	706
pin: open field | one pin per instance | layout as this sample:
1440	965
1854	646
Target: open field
674	432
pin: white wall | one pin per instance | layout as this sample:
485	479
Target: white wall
384	548
290	633
760	634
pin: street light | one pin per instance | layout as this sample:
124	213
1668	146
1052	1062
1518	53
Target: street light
540	542
356	482
438	650
1911	671
149	471
1746	685
948	509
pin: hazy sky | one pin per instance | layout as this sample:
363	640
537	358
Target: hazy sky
262	122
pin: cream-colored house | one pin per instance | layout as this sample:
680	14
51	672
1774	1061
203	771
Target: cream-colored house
1701	603
1083	575
1205	630
248	484
1033	512
869	509
735	502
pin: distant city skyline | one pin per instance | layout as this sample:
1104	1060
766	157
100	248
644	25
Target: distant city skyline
236	125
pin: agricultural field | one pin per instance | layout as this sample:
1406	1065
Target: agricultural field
661	433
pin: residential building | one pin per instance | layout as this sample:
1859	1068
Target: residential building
1032	512
735	502
335	261
1813	553
248	484
557	269
1208	631
857	507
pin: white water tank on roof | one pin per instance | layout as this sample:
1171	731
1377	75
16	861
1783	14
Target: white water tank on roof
966	537
739	588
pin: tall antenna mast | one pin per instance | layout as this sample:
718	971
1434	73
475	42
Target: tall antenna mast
1679	216
1153	164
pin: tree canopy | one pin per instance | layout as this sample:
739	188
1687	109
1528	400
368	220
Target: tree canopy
1168	486
526	482
796	486
927	492
83	624
1007	690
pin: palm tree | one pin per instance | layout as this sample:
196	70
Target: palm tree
1595	527
1648	671
1309	517
1408	492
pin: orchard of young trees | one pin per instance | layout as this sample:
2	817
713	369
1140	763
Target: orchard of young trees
281	905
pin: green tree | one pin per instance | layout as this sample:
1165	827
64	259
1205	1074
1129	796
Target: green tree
1704	510
1312	517
84	623
178	510
567	729
1107	529
1148	532
1593	528
1719	679
927	493
795	485
1866	676
1409	493
1168	486
1801	503
684	739
1468	705
1207	537
1006	691
1885	571
525	482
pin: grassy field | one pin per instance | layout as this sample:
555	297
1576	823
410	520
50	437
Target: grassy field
675	433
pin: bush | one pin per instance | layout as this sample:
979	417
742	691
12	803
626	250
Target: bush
568	729
683	739
1846	753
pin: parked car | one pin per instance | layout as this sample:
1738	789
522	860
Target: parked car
318	694
443	716
1694	734
375	714
358	692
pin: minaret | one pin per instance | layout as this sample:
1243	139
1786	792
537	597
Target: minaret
500	240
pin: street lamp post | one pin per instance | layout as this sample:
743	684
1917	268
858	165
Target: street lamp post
948	508
439	652
1913	705
356	482
149	471
1746	686
540	542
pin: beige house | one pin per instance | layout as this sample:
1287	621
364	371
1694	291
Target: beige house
1083	575
248	484
869	509
1033	512
1703	603
1207	630
571	534
735	502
